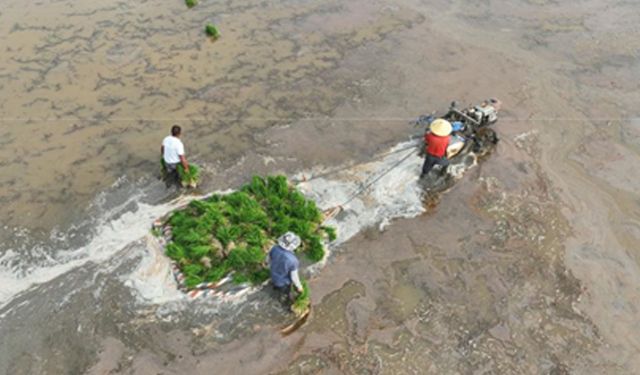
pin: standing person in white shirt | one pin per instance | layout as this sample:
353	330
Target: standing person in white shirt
172	151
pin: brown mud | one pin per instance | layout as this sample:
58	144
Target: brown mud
529	264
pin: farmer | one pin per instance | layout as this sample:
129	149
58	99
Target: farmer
172	151
284	265
436	141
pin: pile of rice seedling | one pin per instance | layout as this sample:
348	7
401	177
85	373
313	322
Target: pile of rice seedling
233	233
191	3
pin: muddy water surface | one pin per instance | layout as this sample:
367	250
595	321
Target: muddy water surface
89	90
529	265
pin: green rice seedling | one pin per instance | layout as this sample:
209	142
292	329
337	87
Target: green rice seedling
199	251
245	260
246	209
240	278
215	198
278	186
254	236
257	187
302	228
241	200
212	31
314	249
193	280
223	234
331	233
213	216
255	255
200	207
191	3
238	199
231	233
163	169
193	274
274	204
302	303
246	257
191	237
259	276
217	272
308	212
178	218
176	252
227	234
192	269
237	258
249	260
190	178
190	223
252	215
280	226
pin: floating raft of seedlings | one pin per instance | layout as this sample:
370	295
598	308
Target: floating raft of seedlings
225	238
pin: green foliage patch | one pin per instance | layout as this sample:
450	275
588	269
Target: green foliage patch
212	31
234	232
191	3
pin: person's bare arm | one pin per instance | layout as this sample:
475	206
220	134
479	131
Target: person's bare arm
184	162
161	150
295	278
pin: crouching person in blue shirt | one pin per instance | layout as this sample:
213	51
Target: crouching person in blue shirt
284	265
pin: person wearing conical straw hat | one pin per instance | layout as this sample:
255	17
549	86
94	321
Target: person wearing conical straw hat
436	141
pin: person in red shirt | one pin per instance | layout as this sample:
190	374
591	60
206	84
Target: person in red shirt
436	141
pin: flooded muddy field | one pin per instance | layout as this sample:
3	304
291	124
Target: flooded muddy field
529	264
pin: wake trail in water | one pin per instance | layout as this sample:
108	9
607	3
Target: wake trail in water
377	192
394	193
23	268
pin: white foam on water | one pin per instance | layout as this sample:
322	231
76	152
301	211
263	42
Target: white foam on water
394	193
111	236
153	280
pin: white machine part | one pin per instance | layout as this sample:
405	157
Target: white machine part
487	113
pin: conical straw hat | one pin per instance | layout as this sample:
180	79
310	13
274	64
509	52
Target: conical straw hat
441	127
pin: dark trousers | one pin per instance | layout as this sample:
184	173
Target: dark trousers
286	294
430	161
171	175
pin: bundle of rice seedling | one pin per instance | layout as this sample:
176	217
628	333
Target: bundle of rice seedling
212	31
234	232
301	305
190	178
191	3
163	169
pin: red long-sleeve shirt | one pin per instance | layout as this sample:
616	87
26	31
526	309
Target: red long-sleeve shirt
436	145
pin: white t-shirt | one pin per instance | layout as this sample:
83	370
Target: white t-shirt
173	148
